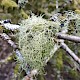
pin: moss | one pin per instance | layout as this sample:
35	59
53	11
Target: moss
40	77
1	29
16	70
9	3
59	60
73	74
23	14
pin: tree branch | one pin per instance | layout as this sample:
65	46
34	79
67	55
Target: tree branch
57	5
71	53
68	37
8	39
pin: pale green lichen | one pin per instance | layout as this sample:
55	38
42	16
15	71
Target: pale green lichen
36	41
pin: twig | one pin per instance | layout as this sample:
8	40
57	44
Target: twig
76	48
57	5
71	53
8	39
68	37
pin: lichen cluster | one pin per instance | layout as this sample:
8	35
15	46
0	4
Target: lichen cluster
77	25
36	41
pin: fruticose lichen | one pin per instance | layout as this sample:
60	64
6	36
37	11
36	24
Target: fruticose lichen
36	41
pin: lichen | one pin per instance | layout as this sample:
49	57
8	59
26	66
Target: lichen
36	41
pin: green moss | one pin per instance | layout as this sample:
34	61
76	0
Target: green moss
23	14
9	3
1	29
59	60
74	74
16	69
40	77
